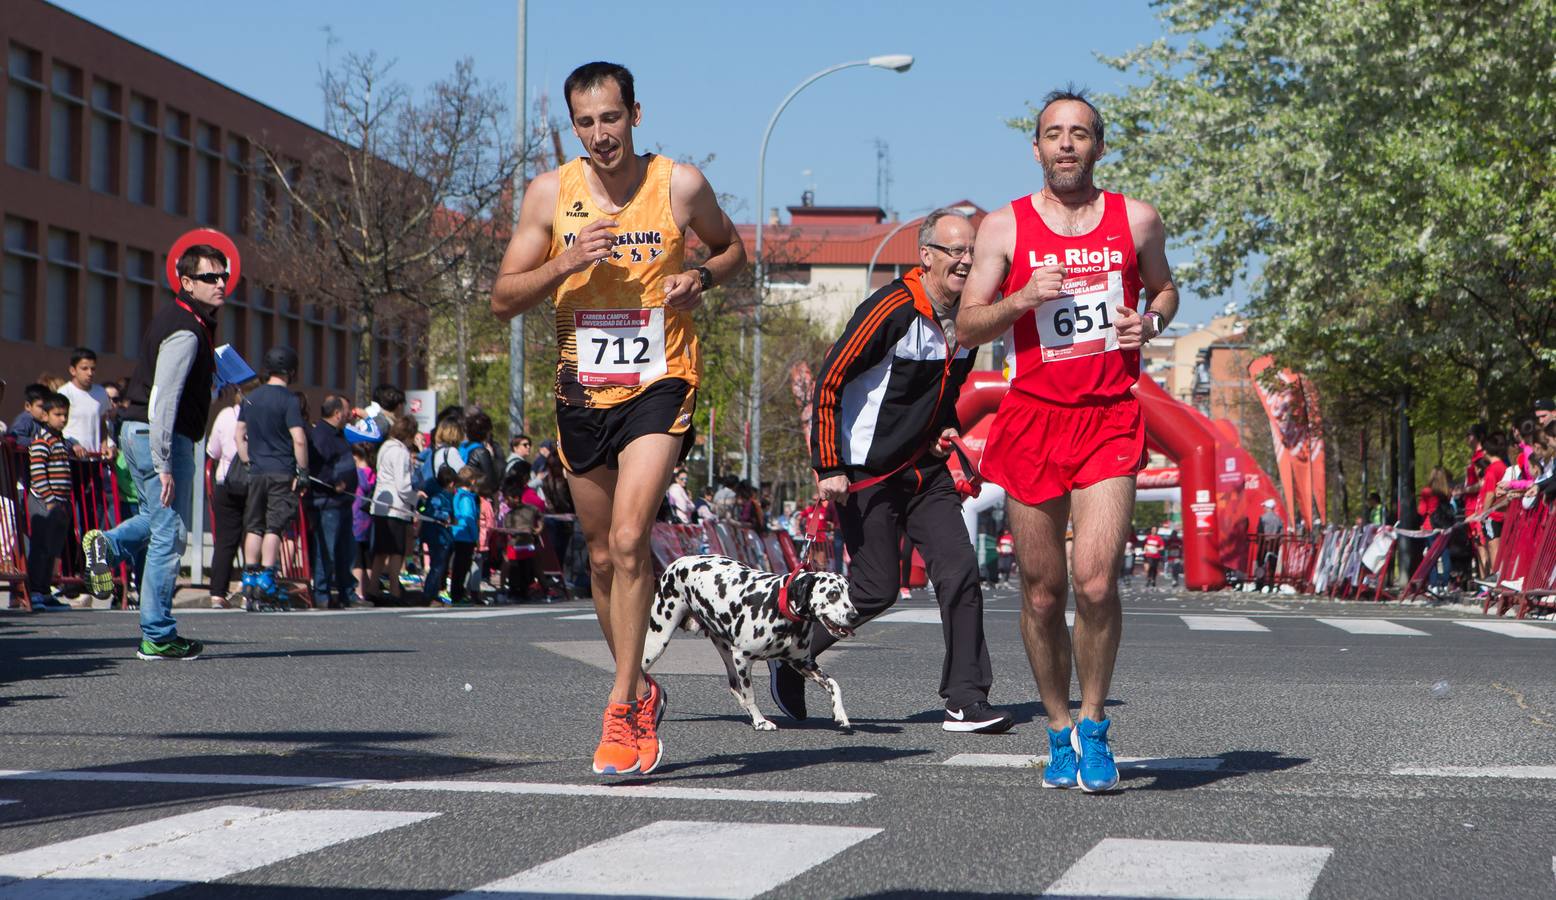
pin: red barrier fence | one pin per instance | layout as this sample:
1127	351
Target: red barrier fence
1525	567
294	563
770	552
94	504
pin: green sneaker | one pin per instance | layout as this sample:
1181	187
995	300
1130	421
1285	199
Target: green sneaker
177	648
99	564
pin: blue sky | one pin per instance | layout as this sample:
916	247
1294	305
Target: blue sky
709	75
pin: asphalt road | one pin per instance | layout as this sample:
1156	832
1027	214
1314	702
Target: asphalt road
1286	748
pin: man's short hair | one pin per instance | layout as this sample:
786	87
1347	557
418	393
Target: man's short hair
189	263
592	75
1059	95
519	439
33	393
926	229
1374	497
81	353
478	426
388	396
1478	431
332	405
55	401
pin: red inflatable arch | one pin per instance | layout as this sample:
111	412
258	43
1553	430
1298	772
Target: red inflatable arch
1222	486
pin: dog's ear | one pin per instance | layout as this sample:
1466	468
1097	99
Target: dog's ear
800	590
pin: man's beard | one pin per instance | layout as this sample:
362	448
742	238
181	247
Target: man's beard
1068	181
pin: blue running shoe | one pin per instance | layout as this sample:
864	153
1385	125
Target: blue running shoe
1097	771
1060	771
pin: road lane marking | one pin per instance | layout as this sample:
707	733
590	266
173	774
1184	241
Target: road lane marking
1373	626
706	859
1221	623
1119	867
1125	763
208	845
626	791
280	781
555	789
480	614
1547	773
932	617
586	617
1513	629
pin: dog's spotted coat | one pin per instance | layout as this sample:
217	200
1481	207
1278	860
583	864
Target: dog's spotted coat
737	607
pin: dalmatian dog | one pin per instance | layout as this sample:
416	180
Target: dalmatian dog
737	608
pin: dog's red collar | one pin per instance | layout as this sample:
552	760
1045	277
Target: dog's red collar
783	598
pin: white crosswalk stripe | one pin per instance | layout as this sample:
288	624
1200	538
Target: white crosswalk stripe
1125	763
1514	629
683	859
1221	623
932	617
1118	867
461	615
1373	626
208	845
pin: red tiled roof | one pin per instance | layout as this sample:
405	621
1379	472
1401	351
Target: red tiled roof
841	245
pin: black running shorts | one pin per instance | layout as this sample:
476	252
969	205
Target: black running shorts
589	438
270	506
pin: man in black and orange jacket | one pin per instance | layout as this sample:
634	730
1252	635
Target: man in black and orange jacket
885	402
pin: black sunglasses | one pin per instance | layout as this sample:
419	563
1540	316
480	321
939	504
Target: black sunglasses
210	277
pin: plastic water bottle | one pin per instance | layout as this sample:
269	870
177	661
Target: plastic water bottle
1440	690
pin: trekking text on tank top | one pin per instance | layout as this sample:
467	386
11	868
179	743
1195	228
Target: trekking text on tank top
615	336
1065	351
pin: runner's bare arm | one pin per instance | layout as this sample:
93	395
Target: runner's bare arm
526	278
983	316
693	202
1161	295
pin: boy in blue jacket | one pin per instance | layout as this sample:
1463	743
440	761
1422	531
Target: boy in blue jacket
466	530
440	543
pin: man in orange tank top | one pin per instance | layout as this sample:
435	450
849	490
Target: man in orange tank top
1060	273
603	235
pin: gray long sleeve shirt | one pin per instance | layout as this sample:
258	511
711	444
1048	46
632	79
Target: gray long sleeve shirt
174	359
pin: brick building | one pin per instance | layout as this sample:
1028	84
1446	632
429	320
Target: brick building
111	152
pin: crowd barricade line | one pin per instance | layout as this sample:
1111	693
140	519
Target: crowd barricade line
770	552
293	563
1524	563
1418	585
1537	592
13	520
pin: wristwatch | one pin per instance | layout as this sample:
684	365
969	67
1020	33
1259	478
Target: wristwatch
1161	320
705	275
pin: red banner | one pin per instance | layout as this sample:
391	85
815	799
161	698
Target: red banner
1296	427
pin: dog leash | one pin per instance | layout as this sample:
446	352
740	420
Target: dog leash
812	530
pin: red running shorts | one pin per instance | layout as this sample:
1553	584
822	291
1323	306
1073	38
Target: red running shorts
1038	451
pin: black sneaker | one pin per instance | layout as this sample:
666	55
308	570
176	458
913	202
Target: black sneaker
978	717
99	564
177	648
788	689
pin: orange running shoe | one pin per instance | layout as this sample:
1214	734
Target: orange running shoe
618	750
651	709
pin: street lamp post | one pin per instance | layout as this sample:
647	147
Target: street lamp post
895	63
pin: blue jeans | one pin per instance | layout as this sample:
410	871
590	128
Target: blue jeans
332	550
154	539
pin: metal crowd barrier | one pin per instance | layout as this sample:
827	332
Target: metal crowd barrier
770	552
94	504
1525	567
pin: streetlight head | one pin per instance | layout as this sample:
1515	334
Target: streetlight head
897	62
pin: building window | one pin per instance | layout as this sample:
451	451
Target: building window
143	150
175	163
104	159
102	287
20	280
23	107
258	324
140	287
308	354
208	170
60	288
235	181
65	123
227	325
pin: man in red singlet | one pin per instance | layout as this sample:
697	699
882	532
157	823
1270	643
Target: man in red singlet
1060	273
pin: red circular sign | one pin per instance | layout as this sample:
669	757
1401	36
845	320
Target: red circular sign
204	236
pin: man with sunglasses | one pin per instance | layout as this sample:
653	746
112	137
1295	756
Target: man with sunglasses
885	406
170	398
